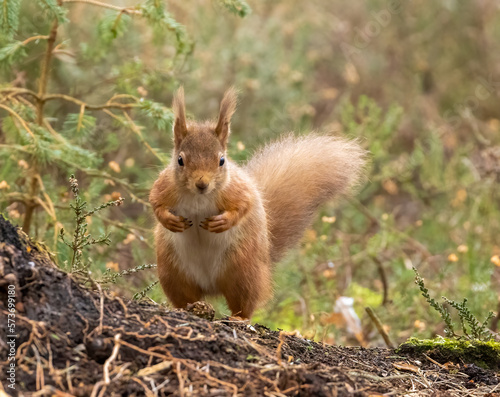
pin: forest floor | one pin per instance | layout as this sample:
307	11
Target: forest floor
74	341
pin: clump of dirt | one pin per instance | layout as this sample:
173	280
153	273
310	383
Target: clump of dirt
75	341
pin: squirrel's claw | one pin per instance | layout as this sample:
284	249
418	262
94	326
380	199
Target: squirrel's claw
216	224
176	224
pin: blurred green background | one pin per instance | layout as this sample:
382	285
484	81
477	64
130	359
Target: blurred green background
417	82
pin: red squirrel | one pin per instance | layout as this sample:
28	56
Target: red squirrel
221	226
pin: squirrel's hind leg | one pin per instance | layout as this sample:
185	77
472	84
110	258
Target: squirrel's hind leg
246	285
179	290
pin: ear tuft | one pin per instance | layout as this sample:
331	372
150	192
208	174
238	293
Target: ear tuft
227	109
179	109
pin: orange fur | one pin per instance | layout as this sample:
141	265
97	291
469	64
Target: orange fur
222	226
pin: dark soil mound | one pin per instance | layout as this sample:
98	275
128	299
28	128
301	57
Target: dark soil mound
74	341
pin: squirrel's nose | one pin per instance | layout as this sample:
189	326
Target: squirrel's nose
201	185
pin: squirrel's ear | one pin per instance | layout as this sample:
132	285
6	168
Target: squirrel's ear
227	108
179	108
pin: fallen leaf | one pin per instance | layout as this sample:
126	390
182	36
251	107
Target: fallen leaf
495	259
142	91
115	196
390	187
332	319
449	365
113	266
351	74
23	164
405	366
419	324
310	235
114	166
462	248
129	239
240	146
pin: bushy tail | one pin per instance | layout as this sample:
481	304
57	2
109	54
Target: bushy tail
298	174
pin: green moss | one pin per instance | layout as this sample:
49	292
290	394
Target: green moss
483	354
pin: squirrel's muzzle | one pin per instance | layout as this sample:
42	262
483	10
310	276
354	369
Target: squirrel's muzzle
201	185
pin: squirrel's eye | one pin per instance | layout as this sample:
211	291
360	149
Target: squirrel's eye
221	162
180	161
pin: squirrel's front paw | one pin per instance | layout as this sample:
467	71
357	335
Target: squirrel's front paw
176	224
218	223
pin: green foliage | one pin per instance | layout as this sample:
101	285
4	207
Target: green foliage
161	116
12	52
77	124
9	16
476	331
238	7
112	26
485	354
443	312
145	291
162	22
81	237
110	277
53	10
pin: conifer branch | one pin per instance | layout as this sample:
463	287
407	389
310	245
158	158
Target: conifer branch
137	130
18	118
51	97
34	38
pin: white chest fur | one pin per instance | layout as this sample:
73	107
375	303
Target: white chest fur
201	252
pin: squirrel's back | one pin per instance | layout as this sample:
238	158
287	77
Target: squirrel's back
298	174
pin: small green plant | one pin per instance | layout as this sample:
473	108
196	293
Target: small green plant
81	237
141	294
472	329
476	329
110	277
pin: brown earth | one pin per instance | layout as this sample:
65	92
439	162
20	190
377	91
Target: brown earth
74	341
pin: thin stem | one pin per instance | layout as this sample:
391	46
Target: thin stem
108	105
18	118
42	89
34	38
126	10
44	74
380	328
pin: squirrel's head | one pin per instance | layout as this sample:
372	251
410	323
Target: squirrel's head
199	155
